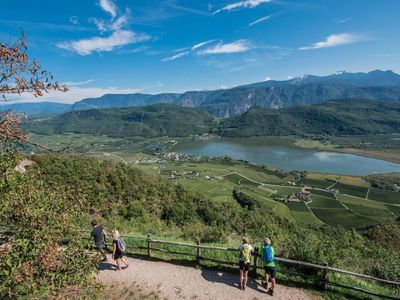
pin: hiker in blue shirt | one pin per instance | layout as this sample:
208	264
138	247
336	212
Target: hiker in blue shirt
268	257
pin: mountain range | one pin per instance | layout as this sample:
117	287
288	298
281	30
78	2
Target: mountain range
334	117
308	89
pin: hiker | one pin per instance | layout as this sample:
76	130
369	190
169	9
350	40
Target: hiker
268	257
99	236
119	249
244	261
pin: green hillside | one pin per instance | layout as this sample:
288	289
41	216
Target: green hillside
336	117
149	121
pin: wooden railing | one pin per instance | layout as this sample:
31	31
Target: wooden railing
322	280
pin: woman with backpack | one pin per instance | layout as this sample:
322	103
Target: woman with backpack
244	261
118	249
268	257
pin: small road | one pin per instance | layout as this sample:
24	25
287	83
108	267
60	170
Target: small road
172	281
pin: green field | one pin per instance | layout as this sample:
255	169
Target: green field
352	190
281	190
342	217
371	209
384	196
240	180
263	200
303	215
394	209
319	201
321	184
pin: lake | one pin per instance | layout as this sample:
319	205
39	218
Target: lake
288	158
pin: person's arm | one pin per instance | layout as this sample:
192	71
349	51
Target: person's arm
114	249
105	235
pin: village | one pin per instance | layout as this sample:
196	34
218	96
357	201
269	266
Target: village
301	196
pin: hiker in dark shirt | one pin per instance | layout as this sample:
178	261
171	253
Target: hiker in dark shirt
99	236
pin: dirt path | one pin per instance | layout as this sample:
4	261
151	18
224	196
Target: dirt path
180	282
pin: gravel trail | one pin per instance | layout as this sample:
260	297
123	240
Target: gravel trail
172	281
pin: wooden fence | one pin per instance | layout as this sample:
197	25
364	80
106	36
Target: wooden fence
151	245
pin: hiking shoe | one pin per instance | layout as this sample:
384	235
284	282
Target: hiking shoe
271	292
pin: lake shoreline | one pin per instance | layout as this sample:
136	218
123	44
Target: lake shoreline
291	153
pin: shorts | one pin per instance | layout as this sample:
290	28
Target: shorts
271	271
244	266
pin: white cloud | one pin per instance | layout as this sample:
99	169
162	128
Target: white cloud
179	55
74	20
336	40
199	45
234	47
97	44
268	78
78	83
241	4
75	93
116	38
121	21
108	6
100	24
260	20
342	20
289	77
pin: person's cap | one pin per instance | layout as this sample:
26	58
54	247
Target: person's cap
267	241
94	223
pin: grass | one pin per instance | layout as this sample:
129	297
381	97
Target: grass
342	217
316	183
384	196
394	209
303	215
371	209
352	190
240	180
345	179
319	201
281	190
264	200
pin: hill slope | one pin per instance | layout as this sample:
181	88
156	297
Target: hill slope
336	117
149	121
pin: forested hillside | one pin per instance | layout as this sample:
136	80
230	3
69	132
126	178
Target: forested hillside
336	117
148	121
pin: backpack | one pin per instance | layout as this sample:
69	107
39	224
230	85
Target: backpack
121	245
268	256
245	253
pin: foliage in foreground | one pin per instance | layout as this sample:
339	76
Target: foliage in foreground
45	253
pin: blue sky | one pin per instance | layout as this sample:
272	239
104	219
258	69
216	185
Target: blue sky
103	46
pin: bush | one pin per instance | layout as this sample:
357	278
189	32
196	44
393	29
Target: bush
46	252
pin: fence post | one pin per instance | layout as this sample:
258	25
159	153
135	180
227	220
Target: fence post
149	245
198	251
324	277
255	257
